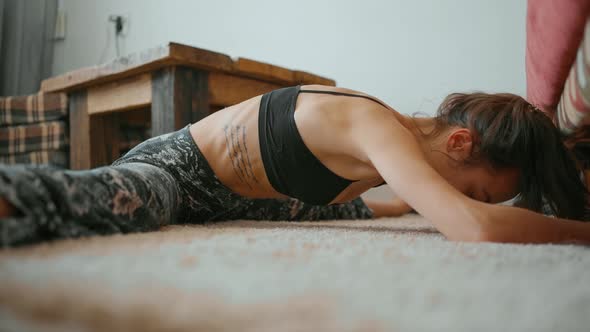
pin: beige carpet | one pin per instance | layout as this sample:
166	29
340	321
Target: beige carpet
381	275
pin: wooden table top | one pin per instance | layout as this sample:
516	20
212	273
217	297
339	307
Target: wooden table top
174	54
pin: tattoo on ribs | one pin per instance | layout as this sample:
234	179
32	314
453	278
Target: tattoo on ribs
235	140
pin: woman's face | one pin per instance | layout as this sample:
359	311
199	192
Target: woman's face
477	180
486	185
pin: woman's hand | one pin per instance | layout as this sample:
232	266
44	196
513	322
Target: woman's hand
516	225
394	208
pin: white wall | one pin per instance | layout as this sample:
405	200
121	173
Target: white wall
410	53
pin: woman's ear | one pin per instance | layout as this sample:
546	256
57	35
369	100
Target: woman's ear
460	144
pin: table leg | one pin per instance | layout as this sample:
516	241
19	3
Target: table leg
180	96
79	131
94	140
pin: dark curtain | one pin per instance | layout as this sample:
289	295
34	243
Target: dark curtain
26	44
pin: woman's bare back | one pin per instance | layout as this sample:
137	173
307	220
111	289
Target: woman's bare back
230	142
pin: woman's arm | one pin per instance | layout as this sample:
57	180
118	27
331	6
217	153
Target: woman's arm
516	225
396	155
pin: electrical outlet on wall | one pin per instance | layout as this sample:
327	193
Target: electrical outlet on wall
120	29
121	23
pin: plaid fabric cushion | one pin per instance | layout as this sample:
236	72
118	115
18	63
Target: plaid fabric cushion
573	110
35	137
55	158
32	109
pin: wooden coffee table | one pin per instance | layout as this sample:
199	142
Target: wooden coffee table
179	83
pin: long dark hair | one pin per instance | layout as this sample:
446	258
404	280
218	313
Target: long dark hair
511	133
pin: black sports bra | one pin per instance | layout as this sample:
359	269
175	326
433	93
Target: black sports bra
290	166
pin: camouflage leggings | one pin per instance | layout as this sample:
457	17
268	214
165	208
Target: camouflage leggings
164	180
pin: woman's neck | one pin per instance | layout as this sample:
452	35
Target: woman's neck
422	128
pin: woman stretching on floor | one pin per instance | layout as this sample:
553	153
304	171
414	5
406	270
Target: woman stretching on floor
307	153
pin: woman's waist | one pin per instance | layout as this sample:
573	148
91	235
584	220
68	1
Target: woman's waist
234	157
245	178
